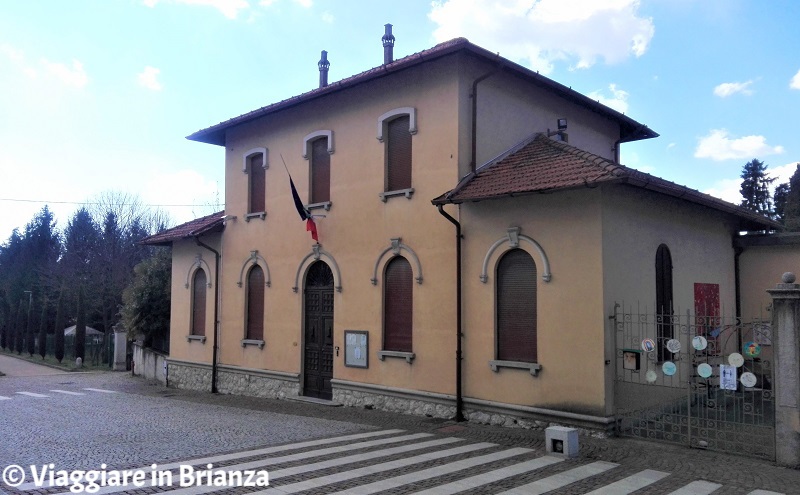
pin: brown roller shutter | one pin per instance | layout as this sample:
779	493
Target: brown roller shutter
516	307
663	300
199	303
257	184
320	171
398	174
397	305
255	303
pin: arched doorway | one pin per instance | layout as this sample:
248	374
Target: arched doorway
318	338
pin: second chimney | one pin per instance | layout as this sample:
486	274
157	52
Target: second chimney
388	45
323	65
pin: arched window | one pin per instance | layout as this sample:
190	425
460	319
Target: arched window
256	184
320	171
397	305
663	299
398	154
255	304
516	307
199	290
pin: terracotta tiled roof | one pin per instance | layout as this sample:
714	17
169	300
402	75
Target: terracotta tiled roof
630	129
540	164
198	226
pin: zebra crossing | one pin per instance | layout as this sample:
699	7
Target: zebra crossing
38	395
423	463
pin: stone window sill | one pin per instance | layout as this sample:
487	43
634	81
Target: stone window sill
260	215
408	356
320	206
400	192
196	338
534	368
247	342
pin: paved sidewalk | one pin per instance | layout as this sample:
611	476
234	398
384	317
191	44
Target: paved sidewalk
12	366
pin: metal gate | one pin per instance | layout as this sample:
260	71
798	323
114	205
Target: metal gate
704	382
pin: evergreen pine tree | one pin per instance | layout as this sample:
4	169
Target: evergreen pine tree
19	333
779	199
755	187
58	332
80	328
42	344
30	334
791	211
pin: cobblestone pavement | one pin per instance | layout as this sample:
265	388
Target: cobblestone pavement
126	422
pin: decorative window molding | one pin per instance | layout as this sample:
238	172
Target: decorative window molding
253	342
325	205
513	237
264	158
196	338
534	368
314	135
255	259
198	263
260	215
395	248
400	192
408	356
412	120
316	253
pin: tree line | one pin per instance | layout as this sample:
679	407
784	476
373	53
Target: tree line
51	278
783	205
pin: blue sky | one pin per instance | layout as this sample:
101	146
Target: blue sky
98	95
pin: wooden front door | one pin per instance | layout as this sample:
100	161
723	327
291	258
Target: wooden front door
318	341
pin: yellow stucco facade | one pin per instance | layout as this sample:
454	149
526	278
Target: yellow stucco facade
599	244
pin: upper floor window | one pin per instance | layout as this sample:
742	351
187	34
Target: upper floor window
395	129
397	305
255	165
516	307
255	304
199	287
317	148
320	172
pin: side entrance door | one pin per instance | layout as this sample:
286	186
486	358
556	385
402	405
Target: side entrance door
318	341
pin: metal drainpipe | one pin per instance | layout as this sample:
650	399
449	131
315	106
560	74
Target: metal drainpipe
459	395
216	313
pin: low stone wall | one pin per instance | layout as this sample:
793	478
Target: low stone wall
149	363
234	380
280	385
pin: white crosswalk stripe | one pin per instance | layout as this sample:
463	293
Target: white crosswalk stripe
631	483
67	392
101	390
697	488
31	394
379	461
2	397
562	479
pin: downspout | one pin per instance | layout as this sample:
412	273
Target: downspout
459	395
474	95
216	313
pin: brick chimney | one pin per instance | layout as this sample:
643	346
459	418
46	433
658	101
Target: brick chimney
388	45
323	65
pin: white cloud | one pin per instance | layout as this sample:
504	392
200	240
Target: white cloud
327	17
718	146
149	78
782	173
578	31
304	3
13	54
618	99
228	8
795	82
727	89
727	189
71	76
